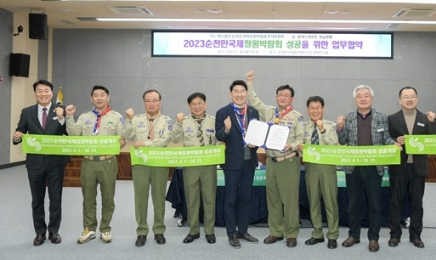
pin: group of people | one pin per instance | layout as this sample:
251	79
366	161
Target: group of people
362	126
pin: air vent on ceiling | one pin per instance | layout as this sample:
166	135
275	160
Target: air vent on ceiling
67	22
130	10
414	12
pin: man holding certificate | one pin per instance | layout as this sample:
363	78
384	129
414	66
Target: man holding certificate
231	124
283	167
409	176
321	179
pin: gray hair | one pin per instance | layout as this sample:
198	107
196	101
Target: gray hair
360	87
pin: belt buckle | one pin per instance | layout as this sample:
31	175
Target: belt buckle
273	159
96	158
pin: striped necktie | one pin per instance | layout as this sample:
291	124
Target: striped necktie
315	137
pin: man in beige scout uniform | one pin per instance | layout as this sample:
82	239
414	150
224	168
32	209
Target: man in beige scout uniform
321	179
282	167
150	129
102	121
198	129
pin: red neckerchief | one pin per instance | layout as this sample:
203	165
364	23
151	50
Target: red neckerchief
99	115
278	117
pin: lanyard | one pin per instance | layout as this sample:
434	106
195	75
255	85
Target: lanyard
241	119
99	115
278	117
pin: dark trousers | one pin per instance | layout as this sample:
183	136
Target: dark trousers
368	178
415	185
54	177
237	198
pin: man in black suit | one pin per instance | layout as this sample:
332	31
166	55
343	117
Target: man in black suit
231	124
410	174
48	119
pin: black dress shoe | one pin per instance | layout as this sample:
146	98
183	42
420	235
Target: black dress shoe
55	238
313	241
393	242
248	238
39	240
211	239
234	241
332	244
140	241
373	246
160	239
190	238
417	242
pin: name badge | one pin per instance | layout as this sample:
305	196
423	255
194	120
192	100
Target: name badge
55	118
380	130
420	124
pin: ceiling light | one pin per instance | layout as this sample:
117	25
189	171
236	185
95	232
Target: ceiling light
214	11
331	12
345	12
328	21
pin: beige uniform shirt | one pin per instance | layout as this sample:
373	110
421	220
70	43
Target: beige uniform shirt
110	124
138	128
292	119
188	131
329	137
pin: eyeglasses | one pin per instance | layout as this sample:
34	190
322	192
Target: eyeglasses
408	97
151	101
285	96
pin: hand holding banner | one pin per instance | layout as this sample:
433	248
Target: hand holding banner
420	144
71	145
352	155
177	156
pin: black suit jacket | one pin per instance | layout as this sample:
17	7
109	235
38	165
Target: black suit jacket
233	140
398	127
29	123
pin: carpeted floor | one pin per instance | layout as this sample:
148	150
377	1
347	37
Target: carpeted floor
16	240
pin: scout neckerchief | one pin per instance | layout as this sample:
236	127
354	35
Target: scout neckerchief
99	115
241	118
151	124
199	120
278	117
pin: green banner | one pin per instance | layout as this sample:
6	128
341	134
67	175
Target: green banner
420	144
71	145
352	155
177	156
